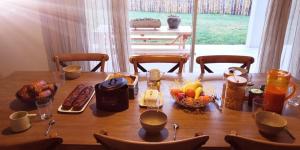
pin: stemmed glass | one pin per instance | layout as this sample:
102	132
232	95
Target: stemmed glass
58	78
292	107
294	101
249	78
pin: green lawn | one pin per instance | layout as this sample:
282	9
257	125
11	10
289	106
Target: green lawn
211	28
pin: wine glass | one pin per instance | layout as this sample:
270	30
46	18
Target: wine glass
292	107
294	101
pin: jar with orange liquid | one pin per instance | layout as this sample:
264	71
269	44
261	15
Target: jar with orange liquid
278	82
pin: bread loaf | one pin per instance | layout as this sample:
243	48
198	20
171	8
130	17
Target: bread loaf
68	102
83	97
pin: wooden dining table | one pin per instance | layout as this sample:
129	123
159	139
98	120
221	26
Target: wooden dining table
78	129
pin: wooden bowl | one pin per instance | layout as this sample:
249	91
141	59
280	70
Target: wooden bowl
153	121
269	122
72	72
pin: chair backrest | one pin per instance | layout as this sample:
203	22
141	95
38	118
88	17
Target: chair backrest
44	144
243	143
179	60
102	58
246	61
120	144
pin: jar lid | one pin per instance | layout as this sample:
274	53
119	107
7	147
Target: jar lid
256	91
113	84
232	71
237	80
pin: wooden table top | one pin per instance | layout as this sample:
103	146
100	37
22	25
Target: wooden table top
79	128
186	30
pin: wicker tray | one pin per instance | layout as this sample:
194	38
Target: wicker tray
145	23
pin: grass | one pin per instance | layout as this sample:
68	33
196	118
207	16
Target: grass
211	28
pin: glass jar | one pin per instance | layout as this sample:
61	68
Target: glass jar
254	93
235	92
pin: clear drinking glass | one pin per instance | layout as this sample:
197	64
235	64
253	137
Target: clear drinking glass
257	105
58	78
44	107
294	101
292	107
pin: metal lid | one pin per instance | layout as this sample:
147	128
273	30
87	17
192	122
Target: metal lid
256	91
113	84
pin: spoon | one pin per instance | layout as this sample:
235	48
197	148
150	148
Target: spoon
175	127
50	124
289	133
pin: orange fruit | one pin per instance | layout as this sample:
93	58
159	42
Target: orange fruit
190	93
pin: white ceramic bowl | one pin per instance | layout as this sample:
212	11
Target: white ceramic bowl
269	122
153	121
72	72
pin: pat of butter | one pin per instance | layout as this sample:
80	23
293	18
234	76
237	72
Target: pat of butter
151	97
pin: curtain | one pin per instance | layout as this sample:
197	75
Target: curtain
64	28
291	51
108	31
273	34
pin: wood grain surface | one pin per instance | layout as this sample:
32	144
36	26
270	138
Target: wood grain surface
79	128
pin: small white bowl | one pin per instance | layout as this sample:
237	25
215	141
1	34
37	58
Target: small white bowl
269	122
72	71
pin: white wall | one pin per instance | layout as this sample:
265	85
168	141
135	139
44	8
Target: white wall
21	41
256	23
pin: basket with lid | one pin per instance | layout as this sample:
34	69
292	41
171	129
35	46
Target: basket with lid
112	95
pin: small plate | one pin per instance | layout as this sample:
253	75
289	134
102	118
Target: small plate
76	111
142	104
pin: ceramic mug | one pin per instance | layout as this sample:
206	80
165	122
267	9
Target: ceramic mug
20	121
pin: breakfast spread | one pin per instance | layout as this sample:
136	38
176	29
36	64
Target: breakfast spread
35	91
191	95
78	98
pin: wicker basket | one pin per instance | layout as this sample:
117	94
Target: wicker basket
145	23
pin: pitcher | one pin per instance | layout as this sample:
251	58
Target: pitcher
278	82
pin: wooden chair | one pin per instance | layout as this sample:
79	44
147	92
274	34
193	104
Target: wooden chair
243	143
246	61
120	144
44	144
102	58
179	60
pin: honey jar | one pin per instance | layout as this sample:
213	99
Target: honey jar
254	93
